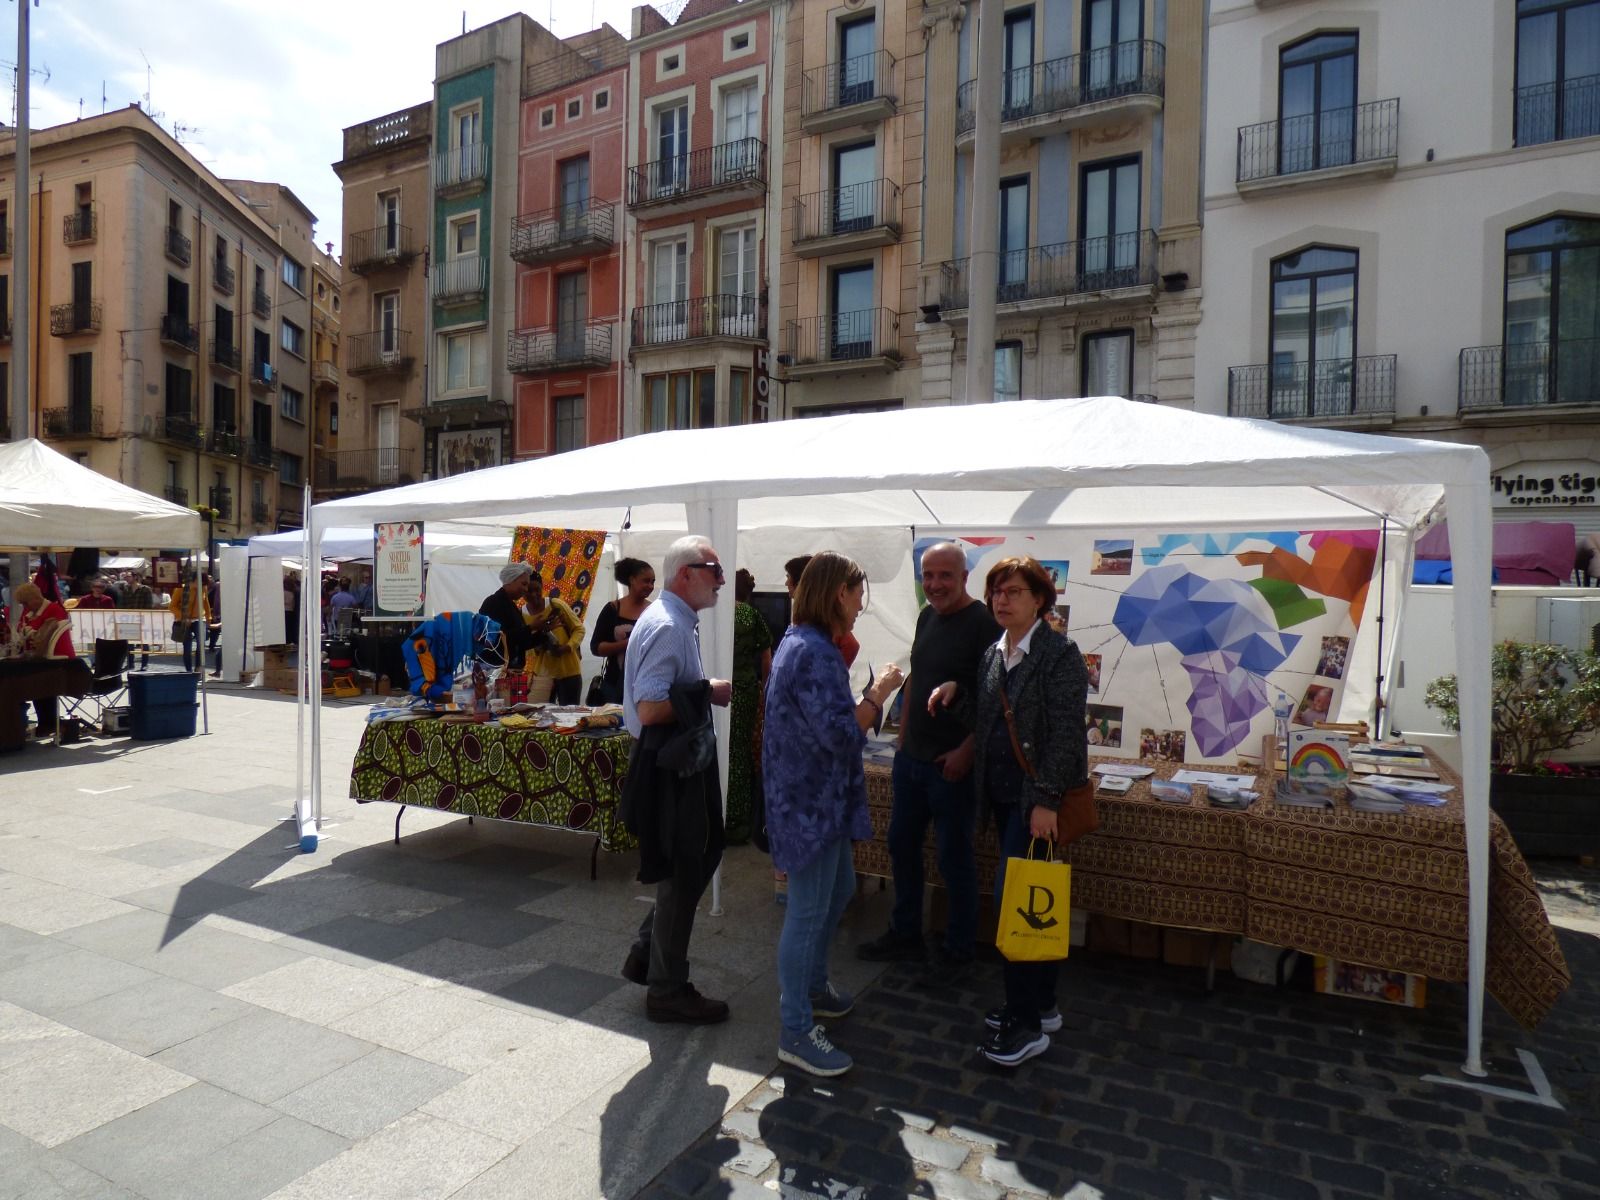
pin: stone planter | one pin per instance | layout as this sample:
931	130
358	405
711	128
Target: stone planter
1549	815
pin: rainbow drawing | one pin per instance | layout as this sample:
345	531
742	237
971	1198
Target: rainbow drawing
1317	754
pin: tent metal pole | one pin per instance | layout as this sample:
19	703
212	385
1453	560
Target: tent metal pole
200	653
1380	706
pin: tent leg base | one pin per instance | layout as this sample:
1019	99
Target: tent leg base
1540	1095
397	817
469	818
594	861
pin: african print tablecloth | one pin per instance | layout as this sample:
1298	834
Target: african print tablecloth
1385	890
564	781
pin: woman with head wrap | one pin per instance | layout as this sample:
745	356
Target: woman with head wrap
502	606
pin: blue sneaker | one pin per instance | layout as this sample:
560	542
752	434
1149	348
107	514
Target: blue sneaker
831	1003
812	1052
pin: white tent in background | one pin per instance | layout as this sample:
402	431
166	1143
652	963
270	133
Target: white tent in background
49	502
1088	463
353	543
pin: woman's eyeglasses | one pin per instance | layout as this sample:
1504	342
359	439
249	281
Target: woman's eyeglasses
714	568
1013	593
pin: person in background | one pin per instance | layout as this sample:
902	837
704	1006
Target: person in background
752	660
614	625
504	606
214	626
792	570
291	610
48	582
817	798
96	596
557	635
339	602
1040	675
190	608
363	594
48	632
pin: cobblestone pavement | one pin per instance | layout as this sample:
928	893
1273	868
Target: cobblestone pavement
1156	1089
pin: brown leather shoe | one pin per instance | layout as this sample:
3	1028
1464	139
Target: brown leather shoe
686	1006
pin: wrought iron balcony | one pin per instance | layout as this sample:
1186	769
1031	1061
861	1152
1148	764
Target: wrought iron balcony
261	303
855	216
689	180
324	373
78	317
558	348
181	427
81	226
224	441
1077	90
461	169
263	375
1530	375
377	249
76	420
260	512
459	280
1329	389
566	232
379	352
1555	112
176	494
1364	137
260	454
867	338
360	470
223	277
1082	269
703	317
178	332
179	248
854	91
225	356
220	501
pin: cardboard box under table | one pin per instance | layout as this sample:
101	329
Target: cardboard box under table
1386	890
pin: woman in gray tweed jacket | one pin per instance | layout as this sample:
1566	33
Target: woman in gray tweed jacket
1043	676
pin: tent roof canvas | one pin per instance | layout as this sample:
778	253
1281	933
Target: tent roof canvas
47	501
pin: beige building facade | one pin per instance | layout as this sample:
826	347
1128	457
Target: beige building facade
326	306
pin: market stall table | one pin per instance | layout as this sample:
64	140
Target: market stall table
1380	889
24	679
570	781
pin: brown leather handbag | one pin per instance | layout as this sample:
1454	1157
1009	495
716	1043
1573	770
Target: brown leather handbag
1076	814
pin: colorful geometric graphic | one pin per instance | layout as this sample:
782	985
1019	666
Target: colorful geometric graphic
1337	568
1211	544
566	559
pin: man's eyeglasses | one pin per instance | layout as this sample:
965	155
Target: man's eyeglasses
714	568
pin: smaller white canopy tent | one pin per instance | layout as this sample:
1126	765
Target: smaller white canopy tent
1094	462
346	543
49	502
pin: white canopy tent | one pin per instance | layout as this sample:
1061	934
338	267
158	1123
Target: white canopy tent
1087	463
49	502
351	543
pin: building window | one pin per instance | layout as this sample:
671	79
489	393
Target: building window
289	467
180	392
292	338
1008	371
669	62
602	100
464	362
1552	312
224	409
739	410
463	237
547	116
569	423
574	108
1313	334
1016	93
333	416
1108	223
1558	70
294	274
1108	364
1316	103
292	403
80	386
680	400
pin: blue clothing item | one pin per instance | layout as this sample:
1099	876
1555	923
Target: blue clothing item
923	794
436	647
811	751
1030	986
818	893
663	649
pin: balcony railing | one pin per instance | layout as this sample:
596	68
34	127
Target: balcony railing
181	427
564	232
225	356
179	248
261	303
1530	374
1325	141
220	500
1555	112
76	420
1331	388
849	337
459	280
413	124
324	373
223	440
176	494
260	511
223	277
260	454
380	351
855	208
461	167
360	470
720	316
1088	265
740	164
385	246
177	331
1133	68
80	226
558	347
847	84
263	375
81	316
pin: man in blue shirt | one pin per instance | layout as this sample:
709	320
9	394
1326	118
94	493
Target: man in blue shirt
663	652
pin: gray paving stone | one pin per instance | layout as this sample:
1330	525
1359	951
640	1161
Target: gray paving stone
360	941
564	991
976	1136
30	1172
362	1098
743	1124
936	1152
263	1055
19	947
168	852
911	1120
128	936
480	925
256	1165
1006	1173
752	1159
195	898
947	1186
55	983
214	958
511	860
150	1016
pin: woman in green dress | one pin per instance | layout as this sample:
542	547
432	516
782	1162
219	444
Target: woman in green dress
752	659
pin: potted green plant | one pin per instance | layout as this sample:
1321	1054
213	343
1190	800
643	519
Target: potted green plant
1544	698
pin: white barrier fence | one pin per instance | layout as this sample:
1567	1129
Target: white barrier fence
148	627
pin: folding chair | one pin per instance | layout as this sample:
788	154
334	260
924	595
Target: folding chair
110	686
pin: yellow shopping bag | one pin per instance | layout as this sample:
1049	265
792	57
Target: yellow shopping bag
1035	908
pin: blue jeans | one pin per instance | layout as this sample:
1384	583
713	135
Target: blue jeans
923	794
1030	986
818	893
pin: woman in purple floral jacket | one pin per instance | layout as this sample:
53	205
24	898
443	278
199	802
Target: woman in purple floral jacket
817	798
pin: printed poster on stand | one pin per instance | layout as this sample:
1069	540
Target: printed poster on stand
397	581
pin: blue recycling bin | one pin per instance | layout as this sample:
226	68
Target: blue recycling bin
163	704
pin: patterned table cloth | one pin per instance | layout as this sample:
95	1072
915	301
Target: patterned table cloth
535	776
1384	890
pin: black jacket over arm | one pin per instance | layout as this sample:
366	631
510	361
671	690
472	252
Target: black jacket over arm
672	798
1048	705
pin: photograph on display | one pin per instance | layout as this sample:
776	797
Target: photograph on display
1056	568
1335	650
462	450
1315	705
1166	745
1091	663
1112	557
166	571
1105	726
1057	618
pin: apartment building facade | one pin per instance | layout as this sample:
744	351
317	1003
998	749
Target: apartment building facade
701	215
326	305
387	173
851	207
567	348
152	318
1099	224
1410	250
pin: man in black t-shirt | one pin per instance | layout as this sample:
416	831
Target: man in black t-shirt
932	765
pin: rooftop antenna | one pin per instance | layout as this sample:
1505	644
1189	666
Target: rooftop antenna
184	133
149	72
41	72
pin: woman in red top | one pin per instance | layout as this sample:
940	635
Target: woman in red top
48	631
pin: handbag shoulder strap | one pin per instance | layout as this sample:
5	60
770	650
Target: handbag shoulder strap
1011	728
